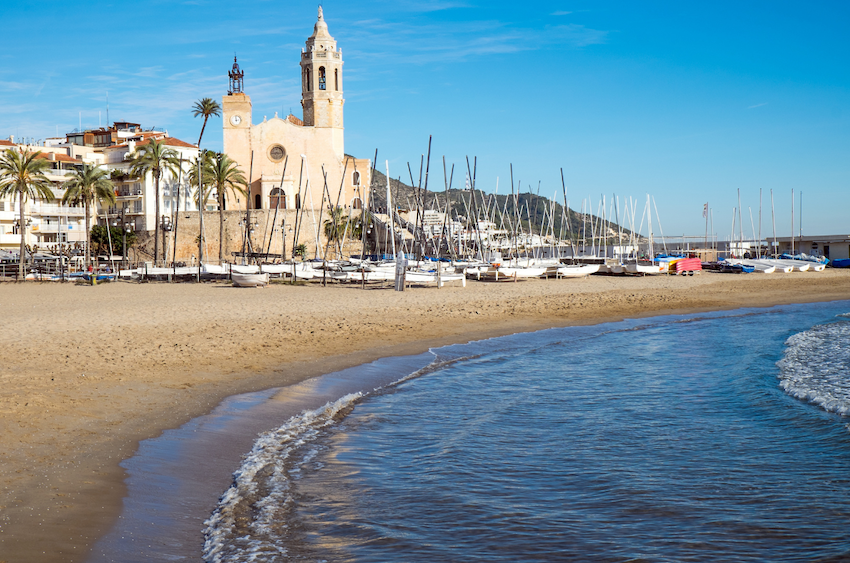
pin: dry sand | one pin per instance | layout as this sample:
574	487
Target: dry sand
87	372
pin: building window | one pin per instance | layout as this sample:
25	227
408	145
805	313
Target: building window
297	201
307	79
356	178
336	79
321	78
258	201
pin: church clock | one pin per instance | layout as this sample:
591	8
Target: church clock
235	120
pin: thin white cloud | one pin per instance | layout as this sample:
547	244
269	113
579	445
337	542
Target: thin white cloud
459	41
561	13
758	105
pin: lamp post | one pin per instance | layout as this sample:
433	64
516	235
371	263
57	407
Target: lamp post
127	230
124	237
22	230
166	228
283	230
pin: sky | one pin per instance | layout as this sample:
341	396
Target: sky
688	102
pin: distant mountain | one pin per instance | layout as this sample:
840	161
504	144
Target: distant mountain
501	209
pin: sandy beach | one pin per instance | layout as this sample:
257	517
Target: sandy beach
88	372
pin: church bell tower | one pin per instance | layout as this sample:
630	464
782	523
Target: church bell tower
321	78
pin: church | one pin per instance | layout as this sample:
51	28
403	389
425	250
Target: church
286	160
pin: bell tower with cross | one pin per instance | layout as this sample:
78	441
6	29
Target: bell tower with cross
321	78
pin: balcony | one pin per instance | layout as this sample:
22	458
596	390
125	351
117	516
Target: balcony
55	228
127	192
55	210
116	211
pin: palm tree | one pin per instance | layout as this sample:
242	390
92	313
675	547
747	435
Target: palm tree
155	157
22	175
223	174
205	107
88	185
335	224
201	169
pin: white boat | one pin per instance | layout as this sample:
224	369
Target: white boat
795	265
577	270
507	273
249	280
647	268
758	267
218	269
240	269
778	268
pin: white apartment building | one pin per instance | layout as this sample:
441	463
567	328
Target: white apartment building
51	224
48	222
135	196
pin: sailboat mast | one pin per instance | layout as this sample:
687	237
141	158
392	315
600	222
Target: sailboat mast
389	208
773	220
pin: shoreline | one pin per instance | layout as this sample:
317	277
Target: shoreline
103	382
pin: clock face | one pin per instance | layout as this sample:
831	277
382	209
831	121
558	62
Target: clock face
235	120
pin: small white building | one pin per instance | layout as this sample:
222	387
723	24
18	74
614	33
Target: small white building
834	247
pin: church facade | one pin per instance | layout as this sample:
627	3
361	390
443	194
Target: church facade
289	161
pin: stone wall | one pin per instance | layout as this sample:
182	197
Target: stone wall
264	233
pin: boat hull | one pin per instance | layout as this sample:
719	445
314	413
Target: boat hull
249	280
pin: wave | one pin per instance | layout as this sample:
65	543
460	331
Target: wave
253	517
816	366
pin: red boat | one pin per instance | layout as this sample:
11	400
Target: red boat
687	266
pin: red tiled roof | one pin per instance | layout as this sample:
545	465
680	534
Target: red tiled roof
178	143
6	143
170	141
58	157
294	120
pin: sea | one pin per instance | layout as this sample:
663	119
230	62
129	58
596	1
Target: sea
715	436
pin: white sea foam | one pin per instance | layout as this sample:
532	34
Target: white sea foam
816	366
250	518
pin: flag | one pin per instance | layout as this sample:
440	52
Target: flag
705	211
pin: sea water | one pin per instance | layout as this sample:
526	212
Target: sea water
706	437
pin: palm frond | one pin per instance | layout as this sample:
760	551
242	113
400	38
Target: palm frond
24	173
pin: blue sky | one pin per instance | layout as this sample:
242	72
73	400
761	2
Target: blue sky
686	102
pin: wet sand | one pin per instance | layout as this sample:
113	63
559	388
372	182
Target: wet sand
88	372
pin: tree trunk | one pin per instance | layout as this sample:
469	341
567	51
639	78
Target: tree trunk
156	219
23	229
88	234
204	126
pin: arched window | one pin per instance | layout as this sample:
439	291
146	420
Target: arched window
258	201
321	78
297	201
357	204
355	179
277	198
307	79
336	79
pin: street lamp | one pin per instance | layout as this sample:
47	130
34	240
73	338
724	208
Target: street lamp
165	224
